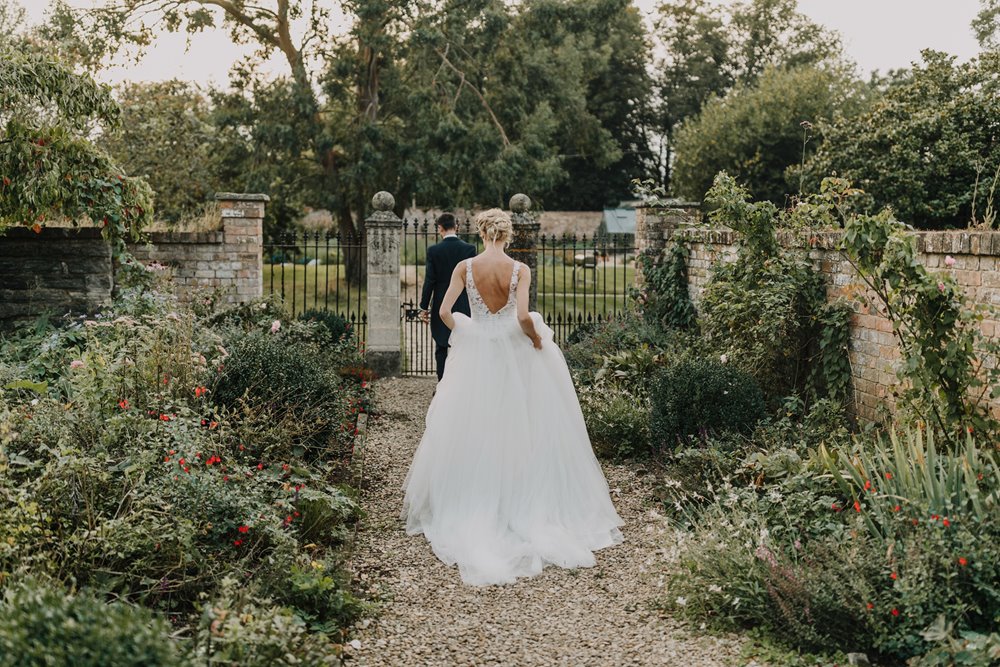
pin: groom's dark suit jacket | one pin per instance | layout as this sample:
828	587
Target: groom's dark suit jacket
442	258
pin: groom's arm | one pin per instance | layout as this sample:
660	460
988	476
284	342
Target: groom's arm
430	275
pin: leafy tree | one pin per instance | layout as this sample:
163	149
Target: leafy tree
773	33
11	19
168	137
617	88
49	168
694	68
923	147
709	49
986	25
756	132
454	101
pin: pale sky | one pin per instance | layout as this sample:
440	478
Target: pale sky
877	34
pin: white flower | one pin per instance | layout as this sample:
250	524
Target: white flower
724	358
715	588
681	601
275	326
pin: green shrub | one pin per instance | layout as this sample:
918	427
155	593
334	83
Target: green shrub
868	558
768	310
617	421
316	591
700	396
336	326
624	336
242	627
265	378
40	625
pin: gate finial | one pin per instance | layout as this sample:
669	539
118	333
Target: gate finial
520	203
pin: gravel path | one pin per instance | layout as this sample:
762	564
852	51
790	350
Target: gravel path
594	616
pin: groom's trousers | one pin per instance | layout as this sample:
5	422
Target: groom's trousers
440	356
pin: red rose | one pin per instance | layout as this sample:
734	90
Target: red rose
963	561
244	529
895	612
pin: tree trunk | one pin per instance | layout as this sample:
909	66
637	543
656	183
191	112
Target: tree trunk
354	245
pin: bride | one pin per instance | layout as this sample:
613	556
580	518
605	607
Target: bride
504	480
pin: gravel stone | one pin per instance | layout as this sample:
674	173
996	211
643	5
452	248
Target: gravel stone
603	615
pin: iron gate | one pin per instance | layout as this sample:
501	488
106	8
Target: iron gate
581	281
319	271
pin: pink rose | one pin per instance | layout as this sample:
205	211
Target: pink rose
275	326
76	363
941	287
949	260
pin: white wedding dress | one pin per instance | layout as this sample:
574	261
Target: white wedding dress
504	480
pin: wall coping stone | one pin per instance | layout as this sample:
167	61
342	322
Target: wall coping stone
955	242
241	196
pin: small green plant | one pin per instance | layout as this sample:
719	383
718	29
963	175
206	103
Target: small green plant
958	649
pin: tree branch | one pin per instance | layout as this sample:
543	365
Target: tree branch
486	105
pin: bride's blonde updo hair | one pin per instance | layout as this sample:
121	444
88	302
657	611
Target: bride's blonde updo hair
494	225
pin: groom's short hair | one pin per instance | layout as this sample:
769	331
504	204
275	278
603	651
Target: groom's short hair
446	221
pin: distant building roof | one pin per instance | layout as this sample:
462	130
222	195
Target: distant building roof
618	221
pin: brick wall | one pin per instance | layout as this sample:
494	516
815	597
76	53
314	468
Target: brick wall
228	260
873	351
70	270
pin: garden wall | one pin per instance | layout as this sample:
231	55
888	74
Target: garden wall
55	271
873	352
60	270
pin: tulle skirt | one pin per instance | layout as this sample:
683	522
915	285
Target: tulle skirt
505	480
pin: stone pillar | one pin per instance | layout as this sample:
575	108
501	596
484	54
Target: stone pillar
523	246
243	244
384	228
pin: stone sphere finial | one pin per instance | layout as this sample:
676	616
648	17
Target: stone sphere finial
520	203
383	201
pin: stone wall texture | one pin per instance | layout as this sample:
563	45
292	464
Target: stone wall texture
57	270
873	350
54	271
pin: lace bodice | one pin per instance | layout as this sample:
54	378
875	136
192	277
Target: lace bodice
478	306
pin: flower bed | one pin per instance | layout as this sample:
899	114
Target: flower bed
188	461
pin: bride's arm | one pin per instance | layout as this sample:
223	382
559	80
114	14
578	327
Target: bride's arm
523	318
455	288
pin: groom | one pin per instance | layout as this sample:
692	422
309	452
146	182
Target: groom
442	258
